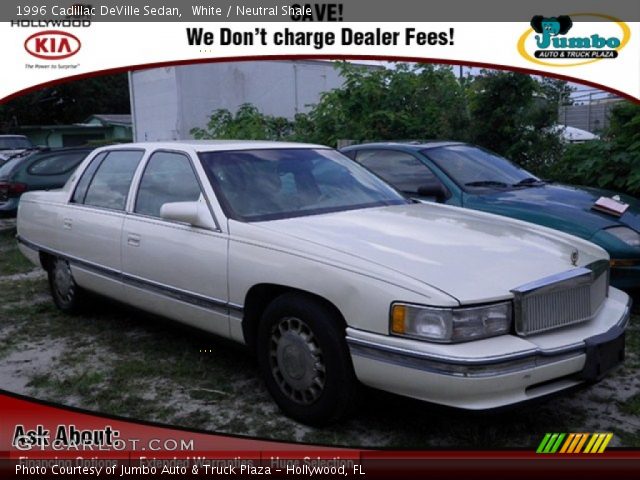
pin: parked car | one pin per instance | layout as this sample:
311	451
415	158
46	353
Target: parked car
329	275
11	144
36	170
471	177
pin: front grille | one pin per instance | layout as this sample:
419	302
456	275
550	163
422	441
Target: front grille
560	300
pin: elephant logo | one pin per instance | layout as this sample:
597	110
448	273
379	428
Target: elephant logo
550	27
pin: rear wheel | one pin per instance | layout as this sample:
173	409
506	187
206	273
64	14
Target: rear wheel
305	361
66	294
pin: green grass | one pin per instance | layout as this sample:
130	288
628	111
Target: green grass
632	405
633	343
22	291
11	260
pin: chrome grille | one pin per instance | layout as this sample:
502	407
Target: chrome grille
560	300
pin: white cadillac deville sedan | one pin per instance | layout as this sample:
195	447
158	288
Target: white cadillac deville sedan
330	275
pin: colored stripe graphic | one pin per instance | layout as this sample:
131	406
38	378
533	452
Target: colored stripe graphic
568	442
543	443
573	443
605	442
550	443
556	445
582	442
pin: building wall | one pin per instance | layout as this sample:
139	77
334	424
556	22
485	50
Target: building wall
64	136
119	132
168	102
154	104
590	116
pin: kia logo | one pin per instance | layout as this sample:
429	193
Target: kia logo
52	45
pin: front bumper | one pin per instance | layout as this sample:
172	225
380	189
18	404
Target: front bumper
516	370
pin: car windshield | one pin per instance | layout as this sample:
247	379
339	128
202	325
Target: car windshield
269	184
14	143
473	167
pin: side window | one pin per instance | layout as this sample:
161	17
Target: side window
168	177
112	179
402	170
85	180
57	164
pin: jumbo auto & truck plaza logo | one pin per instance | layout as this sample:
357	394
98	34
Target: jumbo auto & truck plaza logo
571	40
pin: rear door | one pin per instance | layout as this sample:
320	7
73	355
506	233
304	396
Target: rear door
173	268
90	225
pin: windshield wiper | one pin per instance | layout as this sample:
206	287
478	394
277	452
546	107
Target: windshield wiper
528	181
486	183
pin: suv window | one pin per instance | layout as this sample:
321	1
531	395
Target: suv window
168	177
57	164
402	170
111	179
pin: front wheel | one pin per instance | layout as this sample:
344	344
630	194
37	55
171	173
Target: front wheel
66	294
305	361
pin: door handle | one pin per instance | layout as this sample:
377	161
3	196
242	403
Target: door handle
67	223
133	240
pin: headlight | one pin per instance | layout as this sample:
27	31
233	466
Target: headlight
449	325
627	235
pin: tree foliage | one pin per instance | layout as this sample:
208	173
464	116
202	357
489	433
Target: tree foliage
405	102
512	114
613	162
66	103
248	123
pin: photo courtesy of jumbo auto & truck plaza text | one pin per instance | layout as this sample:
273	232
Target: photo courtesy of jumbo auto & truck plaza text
360	238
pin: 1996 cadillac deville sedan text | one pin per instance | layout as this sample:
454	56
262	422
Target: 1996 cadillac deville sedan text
330	275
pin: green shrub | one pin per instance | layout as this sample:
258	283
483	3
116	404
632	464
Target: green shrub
612	162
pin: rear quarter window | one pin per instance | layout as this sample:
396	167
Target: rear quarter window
106	181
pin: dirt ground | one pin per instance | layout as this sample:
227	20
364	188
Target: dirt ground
122	362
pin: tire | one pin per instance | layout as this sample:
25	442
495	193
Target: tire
66	294
304	360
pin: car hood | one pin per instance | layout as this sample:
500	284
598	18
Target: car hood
557	206
472	256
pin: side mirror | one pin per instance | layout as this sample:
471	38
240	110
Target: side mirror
434	189
193	213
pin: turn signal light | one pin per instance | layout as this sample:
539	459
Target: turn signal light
397	318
